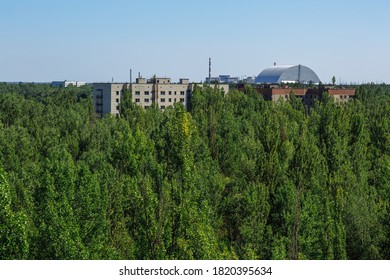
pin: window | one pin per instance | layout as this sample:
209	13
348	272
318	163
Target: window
170	99
137	93
146	92
170	93
181	99
162	99
175	92
146	100
117	92
117	107
163	93
162	107
137	100
117	100
182	93
147	107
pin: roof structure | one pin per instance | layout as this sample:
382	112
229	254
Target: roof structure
287	74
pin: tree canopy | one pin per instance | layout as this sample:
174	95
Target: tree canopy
235	177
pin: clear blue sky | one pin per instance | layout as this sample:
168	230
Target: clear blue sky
87	40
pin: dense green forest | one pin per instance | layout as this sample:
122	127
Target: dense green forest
236	177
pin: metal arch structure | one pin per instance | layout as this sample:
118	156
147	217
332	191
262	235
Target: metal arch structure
287	74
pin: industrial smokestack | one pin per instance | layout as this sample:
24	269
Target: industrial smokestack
299	73
209	70
131	78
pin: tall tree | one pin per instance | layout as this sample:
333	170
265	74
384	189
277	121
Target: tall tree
13	226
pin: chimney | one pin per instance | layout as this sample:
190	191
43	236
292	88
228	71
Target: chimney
209	70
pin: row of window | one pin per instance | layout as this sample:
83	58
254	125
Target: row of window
147	100
139	93
341	96
170	100
312	96
170	92
162	93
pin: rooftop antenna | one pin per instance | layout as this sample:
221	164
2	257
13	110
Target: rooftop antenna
209	70
131	78
112	80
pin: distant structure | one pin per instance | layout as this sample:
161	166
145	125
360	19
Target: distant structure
268	83
64	84
209	71
287	74
160	91
250	80
307	95
223	79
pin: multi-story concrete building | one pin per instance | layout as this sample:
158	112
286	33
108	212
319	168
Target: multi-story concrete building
160	91
106	97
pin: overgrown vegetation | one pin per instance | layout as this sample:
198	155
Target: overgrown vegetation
237	177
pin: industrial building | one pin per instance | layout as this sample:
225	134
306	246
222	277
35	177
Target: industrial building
287	74
222	79
160	91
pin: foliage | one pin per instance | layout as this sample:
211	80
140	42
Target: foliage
236	177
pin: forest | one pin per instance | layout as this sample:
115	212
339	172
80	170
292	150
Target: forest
235	177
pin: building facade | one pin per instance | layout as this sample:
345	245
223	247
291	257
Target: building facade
307	95
159	91
106	97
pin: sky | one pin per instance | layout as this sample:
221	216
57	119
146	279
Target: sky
101	40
